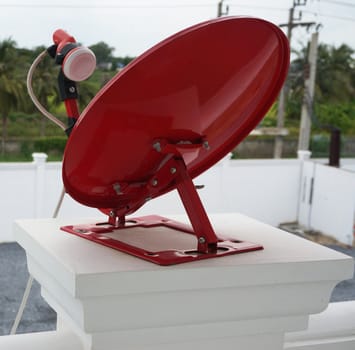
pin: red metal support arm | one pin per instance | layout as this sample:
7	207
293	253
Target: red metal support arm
206	237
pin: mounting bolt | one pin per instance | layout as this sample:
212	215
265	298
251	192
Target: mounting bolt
206	145
117	188
72	89
112	214
81	230
154	182
201	240
173	170
157	146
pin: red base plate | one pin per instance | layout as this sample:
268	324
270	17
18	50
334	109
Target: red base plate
158	234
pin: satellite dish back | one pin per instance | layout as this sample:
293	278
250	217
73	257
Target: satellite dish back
179	107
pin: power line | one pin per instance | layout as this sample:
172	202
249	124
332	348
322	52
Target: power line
330	16
271	8
103	6
292	23
337	17
342	3
220	11
268	8
108	6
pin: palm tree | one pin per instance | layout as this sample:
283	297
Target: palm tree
11	87
335	73
335	85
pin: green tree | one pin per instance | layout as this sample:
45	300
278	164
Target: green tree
334	99
120	62
335	74
103	52
87	91
11	86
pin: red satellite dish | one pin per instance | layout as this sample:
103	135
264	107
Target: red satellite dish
167	117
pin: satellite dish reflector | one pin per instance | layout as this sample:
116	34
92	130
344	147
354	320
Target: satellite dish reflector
167	117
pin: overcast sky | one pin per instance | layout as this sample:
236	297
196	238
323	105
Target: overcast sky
133	26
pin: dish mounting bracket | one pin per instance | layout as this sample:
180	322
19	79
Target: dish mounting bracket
173	169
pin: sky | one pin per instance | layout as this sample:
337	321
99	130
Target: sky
133	26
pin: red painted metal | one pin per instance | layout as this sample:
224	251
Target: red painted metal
101	233
207	244
62	38
214	81
182	105
206	238
72	109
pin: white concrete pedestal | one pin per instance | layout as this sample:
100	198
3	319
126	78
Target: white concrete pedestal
109	300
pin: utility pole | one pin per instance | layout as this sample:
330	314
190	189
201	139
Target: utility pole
220	11
282	97
307	105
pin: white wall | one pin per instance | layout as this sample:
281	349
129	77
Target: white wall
327	200
272	191
348	164
17	195
333	204
264	189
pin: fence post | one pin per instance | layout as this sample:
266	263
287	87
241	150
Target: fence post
39	160
334	147
303	155
304	184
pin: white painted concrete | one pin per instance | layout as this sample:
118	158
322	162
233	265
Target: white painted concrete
333	329
42	341
111	300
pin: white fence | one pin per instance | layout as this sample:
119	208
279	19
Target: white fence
327	200
273	191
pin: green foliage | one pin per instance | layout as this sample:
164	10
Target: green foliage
334	100
103	52
335	74
339	115
26	148
50	145
120	62
271	117
87	91
105	58
11	87
319	145
15	158
25	125
53	146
